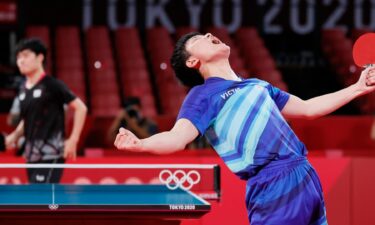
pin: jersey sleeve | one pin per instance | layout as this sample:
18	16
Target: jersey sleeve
63	92
195	109
280	97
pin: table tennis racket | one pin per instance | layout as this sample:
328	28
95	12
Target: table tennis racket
364	50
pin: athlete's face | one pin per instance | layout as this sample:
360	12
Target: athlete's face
207	48
28	62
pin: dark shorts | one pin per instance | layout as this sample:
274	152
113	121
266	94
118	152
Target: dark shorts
45	175
286	192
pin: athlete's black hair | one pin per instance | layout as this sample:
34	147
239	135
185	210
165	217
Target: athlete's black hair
33	44
188	76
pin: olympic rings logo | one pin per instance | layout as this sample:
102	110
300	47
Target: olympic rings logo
179	179
53	206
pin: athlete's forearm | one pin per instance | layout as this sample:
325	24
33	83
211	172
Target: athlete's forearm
325	104
174	140
319	106
163	143
18	132
12	138
80	112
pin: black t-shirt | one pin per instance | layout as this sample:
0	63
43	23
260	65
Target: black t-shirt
42	109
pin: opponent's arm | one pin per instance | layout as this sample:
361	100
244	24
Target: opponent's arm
80	111
12	138
325	104
174	140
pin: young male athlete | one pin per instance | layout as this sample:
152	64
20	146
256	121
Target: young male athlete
42	101
244	122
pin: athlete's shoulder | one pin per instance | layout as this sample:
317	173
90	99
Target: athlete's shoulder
53	81
256	81
196	92
48	80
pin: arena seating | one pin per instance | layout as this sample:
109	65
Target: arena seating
103	82
116	66
257	57
133	69
159	45
69	60
43	33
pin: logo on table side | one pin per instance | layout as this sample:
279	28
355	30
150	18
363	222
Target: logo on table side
53	206
182	207
40	178
226	94
179	179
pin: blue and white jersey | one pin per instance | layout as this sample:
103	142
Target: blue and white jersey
243	123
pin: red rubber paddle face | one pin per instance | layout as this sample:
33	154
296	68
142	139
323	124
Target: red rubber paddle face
364	50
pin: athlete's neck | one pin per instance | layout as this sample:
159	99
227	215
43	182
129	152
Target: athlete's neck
220	69
34	77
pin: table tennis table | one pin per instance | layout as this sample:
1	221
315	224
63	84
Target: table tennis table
135	204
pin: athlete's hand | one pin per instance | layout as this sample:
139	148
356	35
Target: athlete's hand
366	82
126	140
10	141
370	76
70	149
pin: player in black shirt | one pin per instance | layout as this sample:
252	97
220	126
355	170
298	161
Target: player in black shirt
42	101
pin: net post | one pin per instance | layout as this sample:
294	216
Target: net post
217	181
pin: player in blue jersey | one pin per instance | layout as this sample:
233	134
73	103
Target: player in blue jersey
244	122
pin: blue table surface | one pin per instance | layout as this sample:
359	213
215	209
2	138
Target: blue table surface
44	194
